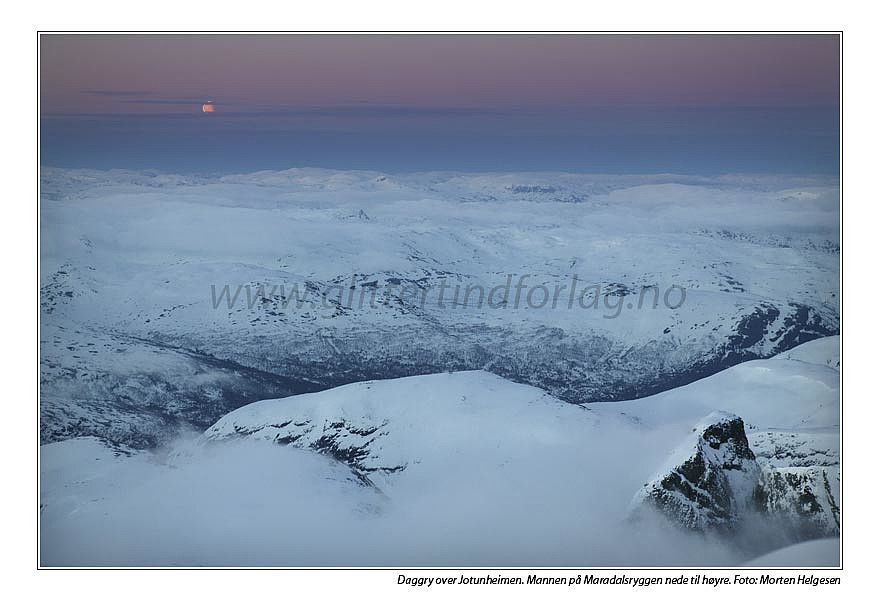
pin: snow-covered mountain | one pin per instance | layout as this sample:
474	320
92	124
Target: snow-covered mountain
470	468
709	482
168	300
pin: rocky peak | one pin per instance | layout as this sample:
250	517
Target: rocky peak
713	482
709	481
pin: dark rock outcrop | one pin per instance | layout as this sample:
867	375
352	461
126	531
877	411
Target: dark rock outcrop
714	484
710	481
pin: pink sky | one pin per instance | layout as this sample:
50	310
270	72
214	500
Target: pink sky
140	73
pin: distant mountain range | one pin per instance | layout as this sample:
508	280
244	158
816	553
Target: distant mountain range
336	278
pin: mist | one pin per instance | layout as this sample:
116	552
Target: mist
254	504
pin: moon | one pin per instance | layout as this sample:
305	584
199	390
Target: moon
207	107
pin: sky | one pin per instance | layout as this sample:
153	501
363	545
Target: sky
701	104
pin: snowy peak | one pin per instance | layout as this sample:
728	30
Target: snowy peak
714	484
711	481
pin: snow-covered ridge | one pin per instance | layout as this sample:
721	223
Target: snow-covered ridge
385	427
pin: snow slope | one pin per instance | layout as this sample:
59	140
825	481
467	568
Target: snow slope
815	553
420	423
770	395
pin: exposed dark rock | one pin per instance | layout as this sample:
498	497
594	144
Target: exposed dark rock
803	500
710	483
715	485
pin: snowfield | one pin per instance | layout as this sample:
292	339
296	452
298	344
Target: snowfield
817	553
